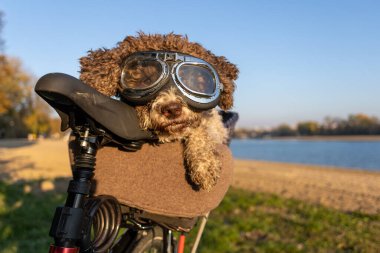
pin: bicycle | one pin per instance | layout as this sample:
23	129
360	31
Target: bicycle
88	223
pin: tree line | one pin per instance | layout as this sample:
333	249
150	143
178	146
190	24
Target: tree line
355	124
22	112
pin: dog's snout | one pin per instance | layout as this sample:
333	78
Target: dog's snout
172	110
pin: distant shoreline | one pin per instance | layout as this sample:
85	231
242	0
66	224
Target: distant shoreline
321	138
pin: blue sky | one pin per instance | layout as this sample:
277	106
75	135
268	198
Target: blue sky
298	60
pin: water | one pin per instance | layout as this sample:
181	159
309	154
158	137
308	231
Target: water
347	154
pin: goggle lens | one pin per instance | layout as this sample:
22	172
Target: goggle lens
141	74
145	73
196	78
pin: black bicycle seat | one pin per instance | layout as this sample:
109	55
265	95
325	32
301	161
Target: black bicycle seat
68	95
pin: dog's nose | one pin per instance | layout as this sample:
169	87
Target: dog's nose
172	110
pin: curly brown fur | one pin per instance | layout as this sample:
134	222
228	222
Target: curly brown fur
101	68
168	115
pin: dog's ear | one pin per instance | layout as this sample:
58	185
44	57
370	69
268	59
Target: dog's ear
100	69
228	72
226	99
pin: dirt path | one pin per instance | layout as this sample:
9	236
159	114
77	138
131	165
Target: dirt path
338	188
23	160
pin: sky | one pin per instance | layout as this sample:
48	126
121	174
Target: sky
298	60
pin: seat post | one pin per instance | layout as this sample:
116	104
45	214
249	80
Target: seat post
67	225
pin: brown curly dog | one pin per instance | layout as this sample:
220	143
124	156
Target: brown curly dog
167	114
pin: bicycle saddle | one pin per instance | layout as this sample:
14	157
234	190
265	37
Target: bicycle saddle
70	97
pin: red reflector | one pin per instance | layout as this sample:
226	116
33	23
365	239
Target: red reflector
55	249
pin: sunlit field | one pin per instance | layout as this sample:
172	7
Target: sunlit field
246	221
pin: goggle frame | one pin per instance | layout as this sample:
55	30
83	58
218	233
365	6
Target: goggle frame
171	63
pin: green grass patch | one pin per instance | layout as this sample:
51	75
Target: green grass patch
244	222
257	222
25	217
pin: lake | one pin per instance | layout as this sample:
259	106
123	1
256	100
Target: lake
347	154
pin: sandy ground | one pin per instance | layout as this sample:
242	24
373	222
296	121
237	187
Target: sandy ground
349	190
24	160
343	189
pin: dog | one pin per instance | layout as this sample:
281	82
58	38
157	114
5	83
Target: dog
167	114
172	120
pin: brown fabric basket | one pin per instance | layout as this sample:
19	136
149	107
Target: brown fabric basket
153	179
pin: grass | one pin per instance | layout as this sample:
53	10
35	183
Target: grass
245	222
256	222
25	217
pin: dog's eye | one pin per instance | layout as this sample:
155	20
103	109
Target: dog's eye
197	78
141	74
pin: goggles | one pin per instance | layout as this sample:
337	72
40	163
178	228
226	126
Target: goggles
146	73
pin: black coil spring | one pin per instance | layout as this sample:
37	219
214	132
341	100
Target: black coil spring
105	217
85	161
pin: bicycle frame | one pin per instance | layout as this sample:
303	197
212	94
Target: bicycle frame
76	217
72	223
